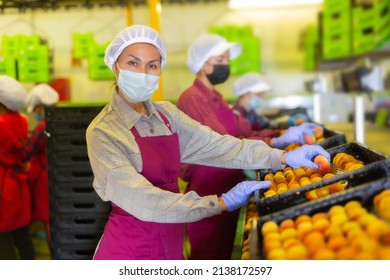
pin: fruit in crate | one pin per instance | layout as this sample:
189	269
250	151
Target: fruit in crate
293	178
347	162
331	235
382	204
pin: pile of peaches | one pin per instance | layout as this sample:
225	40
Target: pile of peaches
343	233
294	178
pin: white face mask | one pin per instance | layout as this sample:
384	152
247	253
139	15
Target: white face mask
137	87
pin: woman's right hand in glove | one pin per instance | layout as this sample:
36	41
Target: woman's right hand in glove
304	155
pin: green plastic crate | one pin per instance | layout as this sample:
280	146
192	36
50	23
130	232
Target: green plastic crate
336	46
336	5
81	44
8	67
336	22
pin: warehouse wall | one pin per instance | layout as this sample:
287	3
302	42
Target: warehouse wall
278	29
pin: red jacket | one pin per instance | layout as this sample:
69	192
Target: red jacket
37	179
14	193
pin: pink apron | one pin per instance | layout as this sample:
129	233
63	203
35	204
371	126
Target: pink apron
212	238
125	236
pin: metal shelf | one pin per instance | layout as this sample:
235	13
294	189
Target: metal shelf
345	63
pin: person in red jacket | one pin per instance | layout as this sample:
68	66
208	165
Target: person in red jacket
39	97
15	213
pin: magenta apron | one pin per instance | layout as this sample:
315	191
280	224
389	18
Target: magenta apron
125	236
212	238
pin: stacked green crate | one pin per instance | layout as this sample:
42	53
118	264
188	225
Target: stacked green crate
10	46
249	60
8	67
310	48
371	25
32	56
33	60
336	29
81	44
97	69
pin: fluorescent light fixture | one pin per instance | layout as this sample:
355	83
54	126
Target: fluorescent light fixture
250	4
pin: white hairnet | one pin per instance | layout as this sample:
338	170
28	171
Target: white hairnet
131	35
41	94
250	83
206	46
12	94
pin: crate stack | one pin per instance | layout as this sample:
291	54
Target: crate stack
97	69
77	214
27	58
249	60
371	25
336	31
81	43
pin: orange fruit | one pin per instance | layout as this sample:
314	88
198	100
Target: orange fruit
336	242
269	226
297	252
276	254
324	254
321	224
287	223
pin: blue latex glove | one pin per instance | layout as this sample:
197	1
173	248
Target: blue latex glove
304	155
240	195
308	127
293	134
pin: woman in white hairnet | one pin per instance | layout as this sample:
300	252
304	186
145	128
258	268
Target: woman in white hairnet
135	147
209	58
39	97
250	89
14	193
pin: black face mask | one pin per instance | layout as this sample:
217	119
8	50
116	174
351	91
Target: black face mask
219	75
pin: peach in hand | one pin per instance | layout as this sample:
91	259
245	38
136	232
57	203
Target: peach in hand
323	164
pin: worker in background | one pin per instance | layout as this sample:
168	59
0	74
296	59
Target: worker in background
15	212
39	97
250	89
208	58
135	147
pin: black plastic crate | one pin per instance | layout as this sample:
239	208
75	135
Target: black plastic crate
78	222
75	238
81	252
83	190
65	113
73	205
377	165
75	174
332	139
363	193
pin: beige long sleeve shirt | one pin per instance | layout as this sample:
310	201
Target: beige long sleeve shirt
116	160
